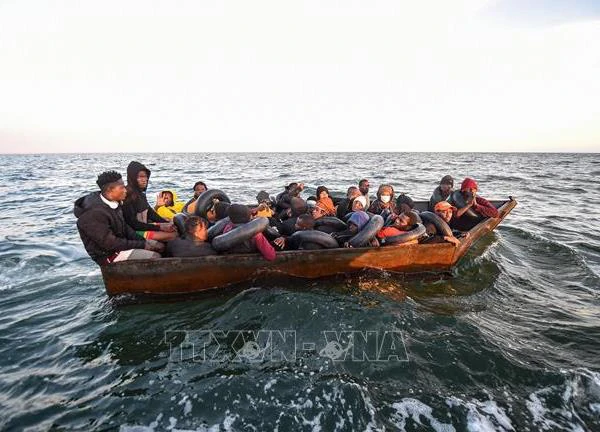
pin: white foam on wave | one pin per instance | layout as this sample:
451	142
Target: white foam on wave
227	425
483	416
415	410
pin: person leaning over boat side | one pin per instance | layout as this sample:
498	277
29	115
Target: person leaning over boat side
167	205
195	243
324	198
480	205
105	235
401	223
445	211
190	206
240	214
384	201
298	207
357	221
442	192
136	210
363	187
345	206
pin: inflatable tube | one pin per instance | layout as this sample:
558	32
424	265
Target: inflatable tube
217	228
331	221
414	234
417	216
460	202
179	222
271	233
204	201
322	239
368	232
440	224
239	234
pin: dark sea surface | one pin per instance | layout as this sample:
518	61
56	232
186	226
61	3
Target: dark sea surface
509	341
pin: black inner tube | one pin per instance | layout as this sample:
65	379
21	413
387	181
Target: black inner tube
440	224
331	221
217	228
415	233
205	200
239	234
368	232
179	222
311	236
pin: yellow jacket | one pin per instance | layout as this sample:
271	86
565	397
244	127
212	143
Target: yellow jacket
167	212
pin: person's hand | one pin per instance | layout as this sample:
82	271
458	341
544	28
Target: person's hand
160	200
300	186
279	242
155	246
453	240
347	245
167	227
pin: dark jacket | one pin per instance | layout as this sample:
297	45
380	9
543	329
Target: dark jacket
103	230
136	201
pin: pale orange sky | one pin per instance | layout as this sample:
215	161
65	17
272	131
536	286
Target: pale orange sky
277	75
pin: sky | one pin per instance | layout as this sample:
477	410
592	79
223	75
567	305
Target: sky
311	75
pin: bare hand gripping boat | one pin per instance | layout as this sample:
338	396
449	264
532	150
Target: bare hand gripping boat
176	276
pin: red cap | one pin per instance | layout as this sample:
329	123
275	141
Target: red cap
468	183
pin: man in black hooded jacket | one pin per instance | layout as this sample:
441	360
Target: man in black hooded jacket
105	234
138	214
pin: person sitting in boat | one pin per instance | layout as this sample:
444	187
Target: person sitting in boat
404	204
298	207
325	200
105	235
167	204
195	243
481	206
283	201
446	212
265	205
319	211
356	222
442	192
304	222
240	214
138	214
385	201
401	223
345	206
359	204
363	187
218	211
190	206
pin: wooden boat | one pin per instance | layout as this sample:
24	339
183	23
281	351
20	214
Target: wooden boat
176	276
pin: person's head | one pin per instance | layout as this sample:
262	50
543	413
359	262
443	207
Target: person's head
445	210
359	203
358	219
318	211
263	197
298	206
352	192
196	228
405	221
291	186
385	193
239	213
363	186
220	209
469	185
199	187
304	222
111	186
404	203
142	179
167	197
446	184
322	192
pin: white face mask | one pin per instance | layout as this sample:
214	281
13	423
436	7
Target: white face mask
385	198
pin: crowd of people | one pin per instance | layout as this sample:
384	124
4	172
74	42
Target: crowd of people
117	223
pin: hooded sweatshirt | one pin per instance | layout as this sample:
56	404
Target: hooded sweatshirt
102	229
136	205
167	212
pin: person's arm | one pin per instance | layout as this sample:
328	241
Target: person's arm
264	247
155	217
96	226
485	208
130	215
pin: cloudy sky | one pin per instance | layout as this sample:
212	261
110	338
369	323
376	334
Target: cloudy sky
315	75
